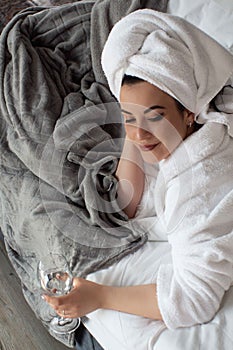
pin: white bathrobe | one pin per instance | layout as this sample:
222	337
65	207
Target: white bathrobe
187	210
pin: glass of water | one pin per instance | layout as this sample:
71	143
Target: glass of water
56	279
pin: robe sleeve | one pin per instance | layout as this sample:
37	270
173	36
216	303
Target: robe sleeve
190	290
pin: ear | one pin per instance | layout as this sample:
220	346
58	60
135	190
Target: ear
189	117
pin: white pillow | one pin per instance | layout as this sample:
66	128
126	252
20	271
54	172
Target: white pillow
215	17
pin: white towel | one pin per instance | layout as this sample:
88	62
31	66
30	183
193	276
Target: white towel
170	53
224	104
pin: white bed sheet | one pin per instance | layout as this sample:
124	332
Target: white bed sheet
215	17
119	331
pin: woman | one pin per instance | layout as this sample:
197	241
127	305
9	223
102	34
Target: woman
175	180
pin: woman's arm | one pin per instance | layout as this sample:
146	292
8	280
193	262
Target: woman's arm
87	296
131	178
138	300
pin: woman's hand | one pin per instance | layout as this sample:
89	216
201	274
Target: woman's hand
84	298
87	296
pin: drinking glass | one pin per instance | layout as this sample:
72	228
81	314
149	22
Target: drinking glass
56	279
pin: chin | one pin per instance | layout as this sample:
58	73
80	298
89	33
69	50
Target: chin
155	157
159	153
150	158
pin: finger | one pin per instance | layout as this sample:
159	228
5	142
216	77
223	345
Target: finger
62	276
59	304
64	315
68	314
53	301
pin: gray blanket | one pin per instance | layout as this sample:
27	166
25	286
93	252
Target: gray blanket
61	139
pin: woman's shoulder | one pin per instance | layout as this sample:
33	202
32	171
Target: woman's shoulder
202	147
209	138
215	141
211	141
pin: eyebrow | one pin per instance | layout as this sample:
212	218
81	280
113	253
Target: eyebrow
146	110
152	108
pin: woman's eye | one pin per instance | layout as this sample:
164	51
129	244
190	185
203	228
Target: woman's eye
156	118
129	120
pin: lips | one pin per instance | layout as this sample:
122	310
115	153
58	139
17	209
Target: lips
147	148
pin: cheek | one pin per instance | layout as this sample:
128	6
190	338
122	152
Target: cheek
180	125
159	131
130	131
169	132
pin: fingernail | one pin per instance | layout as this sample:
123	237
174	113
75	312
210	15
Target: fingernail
43	297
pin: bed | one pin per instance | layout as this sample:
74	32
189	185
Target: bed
57	185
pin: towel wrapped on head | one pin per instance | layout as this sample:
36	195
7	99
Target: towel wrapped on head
170	53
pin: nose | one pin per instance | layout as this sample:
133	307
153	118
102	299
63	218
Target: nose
141	133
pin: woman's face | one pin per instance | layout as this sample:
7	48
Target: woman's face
153	121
